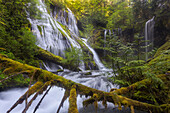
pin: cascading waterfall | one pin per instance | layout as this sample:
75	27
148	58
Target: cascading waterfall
49	33
149	36
95	56
52	37
72	24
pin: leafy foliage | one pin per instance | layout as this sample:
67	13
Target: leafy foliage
121	16
73	57
17	81
16	36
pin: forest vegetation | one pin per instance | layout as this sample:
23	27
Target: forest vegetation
144	83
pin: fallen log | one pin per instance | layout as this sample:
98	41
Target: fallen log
45	76
48	56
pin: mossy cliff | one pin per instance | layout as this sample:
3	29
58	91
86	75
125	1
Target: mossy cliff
163	48
160	63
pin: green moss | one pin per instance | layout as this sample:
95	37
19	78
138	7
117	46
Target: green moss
16	81
48	54
163	48
60	70
39	28
45	55
81	89
160	64
73	101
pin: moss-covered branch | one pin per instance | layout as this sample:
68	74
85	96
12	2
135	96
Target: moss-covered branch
44	76
135	86
39	91
163	48
31	91
48	56
73	101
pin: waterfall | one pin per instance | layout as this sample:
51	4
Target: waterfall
52	37
149	36
105	35
72	24
95	56
49	33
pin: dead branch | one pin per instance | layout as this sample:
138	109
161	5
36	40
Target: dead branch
66	95
43	88
42	99
31	91
22	72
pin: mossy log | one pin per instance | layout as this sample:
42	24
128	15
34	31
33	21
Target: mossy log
43	76
48	56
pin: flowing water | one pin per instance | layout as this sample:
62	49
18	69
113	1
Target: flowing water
95	56
149	36
52	37
105	37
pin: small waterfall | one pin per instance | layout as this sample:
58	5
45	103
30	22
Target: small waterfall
105	35
119	31
68	19
110	33
149	36
72	24
95	56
